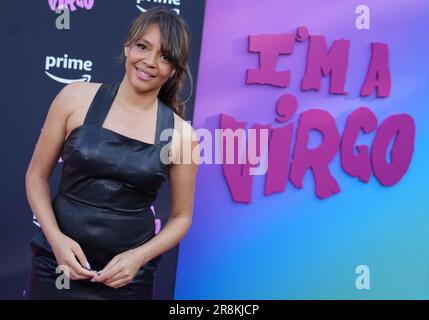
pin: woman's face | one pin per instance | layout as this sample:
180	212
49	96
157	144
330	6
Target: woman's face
146	66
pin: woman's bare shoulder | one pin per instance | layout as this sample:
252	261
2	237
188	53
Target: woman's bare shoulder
75	96
184	135
183	127
81	90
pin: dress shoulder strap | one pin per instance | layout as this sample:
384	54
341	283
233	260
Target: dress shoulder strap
165	120
101	103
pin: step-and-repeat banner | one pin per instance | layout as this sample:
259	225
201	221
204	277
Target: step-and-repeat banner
323	104
336	94
44	49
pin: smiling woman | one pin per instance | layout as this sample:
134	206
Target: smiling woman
150	39
99	229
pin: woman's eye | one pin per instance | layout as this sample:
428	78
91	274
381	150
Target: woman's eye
165	58
141	46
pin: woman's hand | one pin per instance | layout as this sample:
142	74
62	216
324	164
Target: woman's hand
121	270
69	256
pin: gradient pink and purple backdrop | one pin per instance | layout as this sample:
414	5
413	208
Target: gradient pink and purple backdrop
292	245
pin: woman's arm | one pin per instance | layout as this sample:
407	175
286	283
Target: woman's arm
39	171
182	189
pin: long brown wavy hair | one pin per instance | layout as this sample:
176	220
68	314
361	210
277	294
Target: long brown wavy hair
175	43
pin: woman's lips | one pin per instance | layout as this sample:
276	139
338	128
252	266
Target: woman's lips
143	75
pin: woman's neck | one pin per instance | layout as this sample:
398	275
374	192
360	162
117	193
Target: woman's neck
131	98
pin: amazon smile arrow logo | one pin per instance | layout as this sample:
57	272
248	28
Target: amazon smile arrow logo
85	77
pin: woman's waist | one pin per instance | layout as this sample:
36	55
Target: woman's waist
96	255
126	201
102	232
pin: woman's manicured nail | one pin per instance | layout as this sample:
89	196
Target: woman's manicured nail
87	266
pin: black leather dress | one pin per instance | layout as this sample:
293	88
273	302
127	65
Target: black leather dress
108	183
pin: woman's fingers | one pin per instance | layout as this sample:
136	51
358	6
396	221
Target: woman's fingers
117	276
67	271
77	250
117	283
107	274
109	265
80	271
69	254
